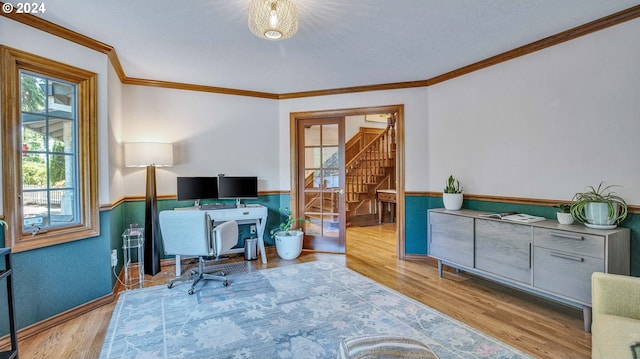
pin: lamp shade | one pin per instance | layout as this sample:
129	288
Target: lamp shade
143	154
273	19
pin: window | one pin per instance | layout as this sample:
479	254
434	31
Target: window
49	148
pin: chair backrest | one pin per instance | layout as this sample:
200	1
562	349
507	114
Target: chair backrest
186	232
225	237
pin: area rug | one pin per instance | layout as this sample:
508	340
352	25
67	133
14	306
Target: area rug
296	311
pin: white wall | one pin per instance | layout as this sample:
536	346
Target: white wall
25	38
211	133
545	125
115	130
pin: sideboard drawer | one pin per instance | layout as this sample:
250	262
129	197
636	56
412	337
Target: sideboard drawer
565	274
572	242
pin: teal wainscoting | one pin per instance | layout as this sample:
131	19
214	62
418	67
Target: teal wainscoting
416	228
51	280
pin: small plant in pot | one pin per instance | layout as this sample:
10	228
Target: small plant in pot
564	213
288	238
452	194
599	207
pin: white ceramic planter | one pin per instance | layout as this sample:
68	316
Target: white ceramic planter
452	201
565	218
289	247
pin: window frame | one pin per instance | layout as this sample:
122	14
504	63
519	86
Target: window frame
11	61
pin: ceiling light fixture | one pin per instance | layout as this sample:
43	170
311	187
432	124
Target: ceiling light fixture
273	19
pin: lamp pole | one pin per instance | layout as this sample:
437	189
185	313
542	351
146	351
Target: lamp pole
151	245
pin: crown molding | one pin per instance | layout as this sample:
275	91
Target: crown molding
62	32
201	88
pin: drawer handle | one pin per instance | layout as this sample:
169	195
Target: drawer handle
577	237
566	256
245	213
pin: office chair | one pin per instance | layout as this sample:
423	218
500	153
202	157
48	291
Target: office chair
191	233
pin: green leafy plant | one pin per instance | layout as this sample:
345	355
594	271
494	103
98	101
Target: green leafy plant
453	185
286	228
599	195
563	207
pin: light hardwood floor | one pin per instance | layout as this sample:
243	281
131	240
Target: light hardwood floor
533	325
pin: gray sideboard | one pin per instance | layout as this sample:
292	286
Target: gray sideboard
545	258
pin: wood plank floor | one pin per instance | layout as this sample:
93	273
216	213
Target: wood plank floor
533	325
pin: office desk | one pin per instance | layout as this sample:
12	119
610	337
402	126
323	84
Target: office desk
251	214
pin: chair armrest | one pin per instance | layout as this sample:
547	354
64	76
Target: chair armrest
615	294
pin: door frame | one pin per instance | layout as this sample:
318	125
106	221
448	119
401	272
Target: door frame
293	146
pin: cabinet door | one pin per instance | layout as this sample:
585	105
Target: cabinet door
504	249
451	238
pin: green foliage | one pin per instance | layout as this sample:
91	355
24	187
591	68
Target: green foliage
599	195
57	165
453	186
286	228
563	207
34	173
33	99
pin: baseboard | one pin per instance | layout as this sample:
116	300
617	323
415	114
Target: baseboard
44	325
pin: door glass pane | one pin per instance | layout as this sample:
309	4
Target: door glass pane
330	157
312	135
313	157
330	135
312	179
331	227
332	179
314	226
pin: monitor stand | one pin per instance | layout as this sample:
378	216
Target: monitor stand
197	203
238	204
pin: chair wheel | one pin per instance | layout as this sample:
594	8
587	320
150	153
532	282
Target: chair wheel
170	285
190	291
225	283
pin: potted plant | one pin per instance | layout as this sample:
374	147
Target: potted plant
288	239
452	194
599	207
564	213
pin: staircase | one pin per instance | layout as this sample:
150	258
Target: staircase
370	169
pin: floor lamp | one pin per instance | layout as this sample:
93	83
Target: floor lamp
150	155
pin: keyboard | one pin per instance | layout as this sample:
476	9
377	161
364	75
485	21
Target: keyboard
212	206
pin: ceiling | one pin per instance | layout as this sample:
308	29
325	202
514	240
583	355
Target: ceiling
340	43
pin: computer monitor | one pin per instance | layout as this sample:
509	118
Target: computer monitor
235	187
197	188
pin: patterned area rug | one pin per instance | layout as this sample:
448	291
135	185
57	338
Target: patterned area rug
297	311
